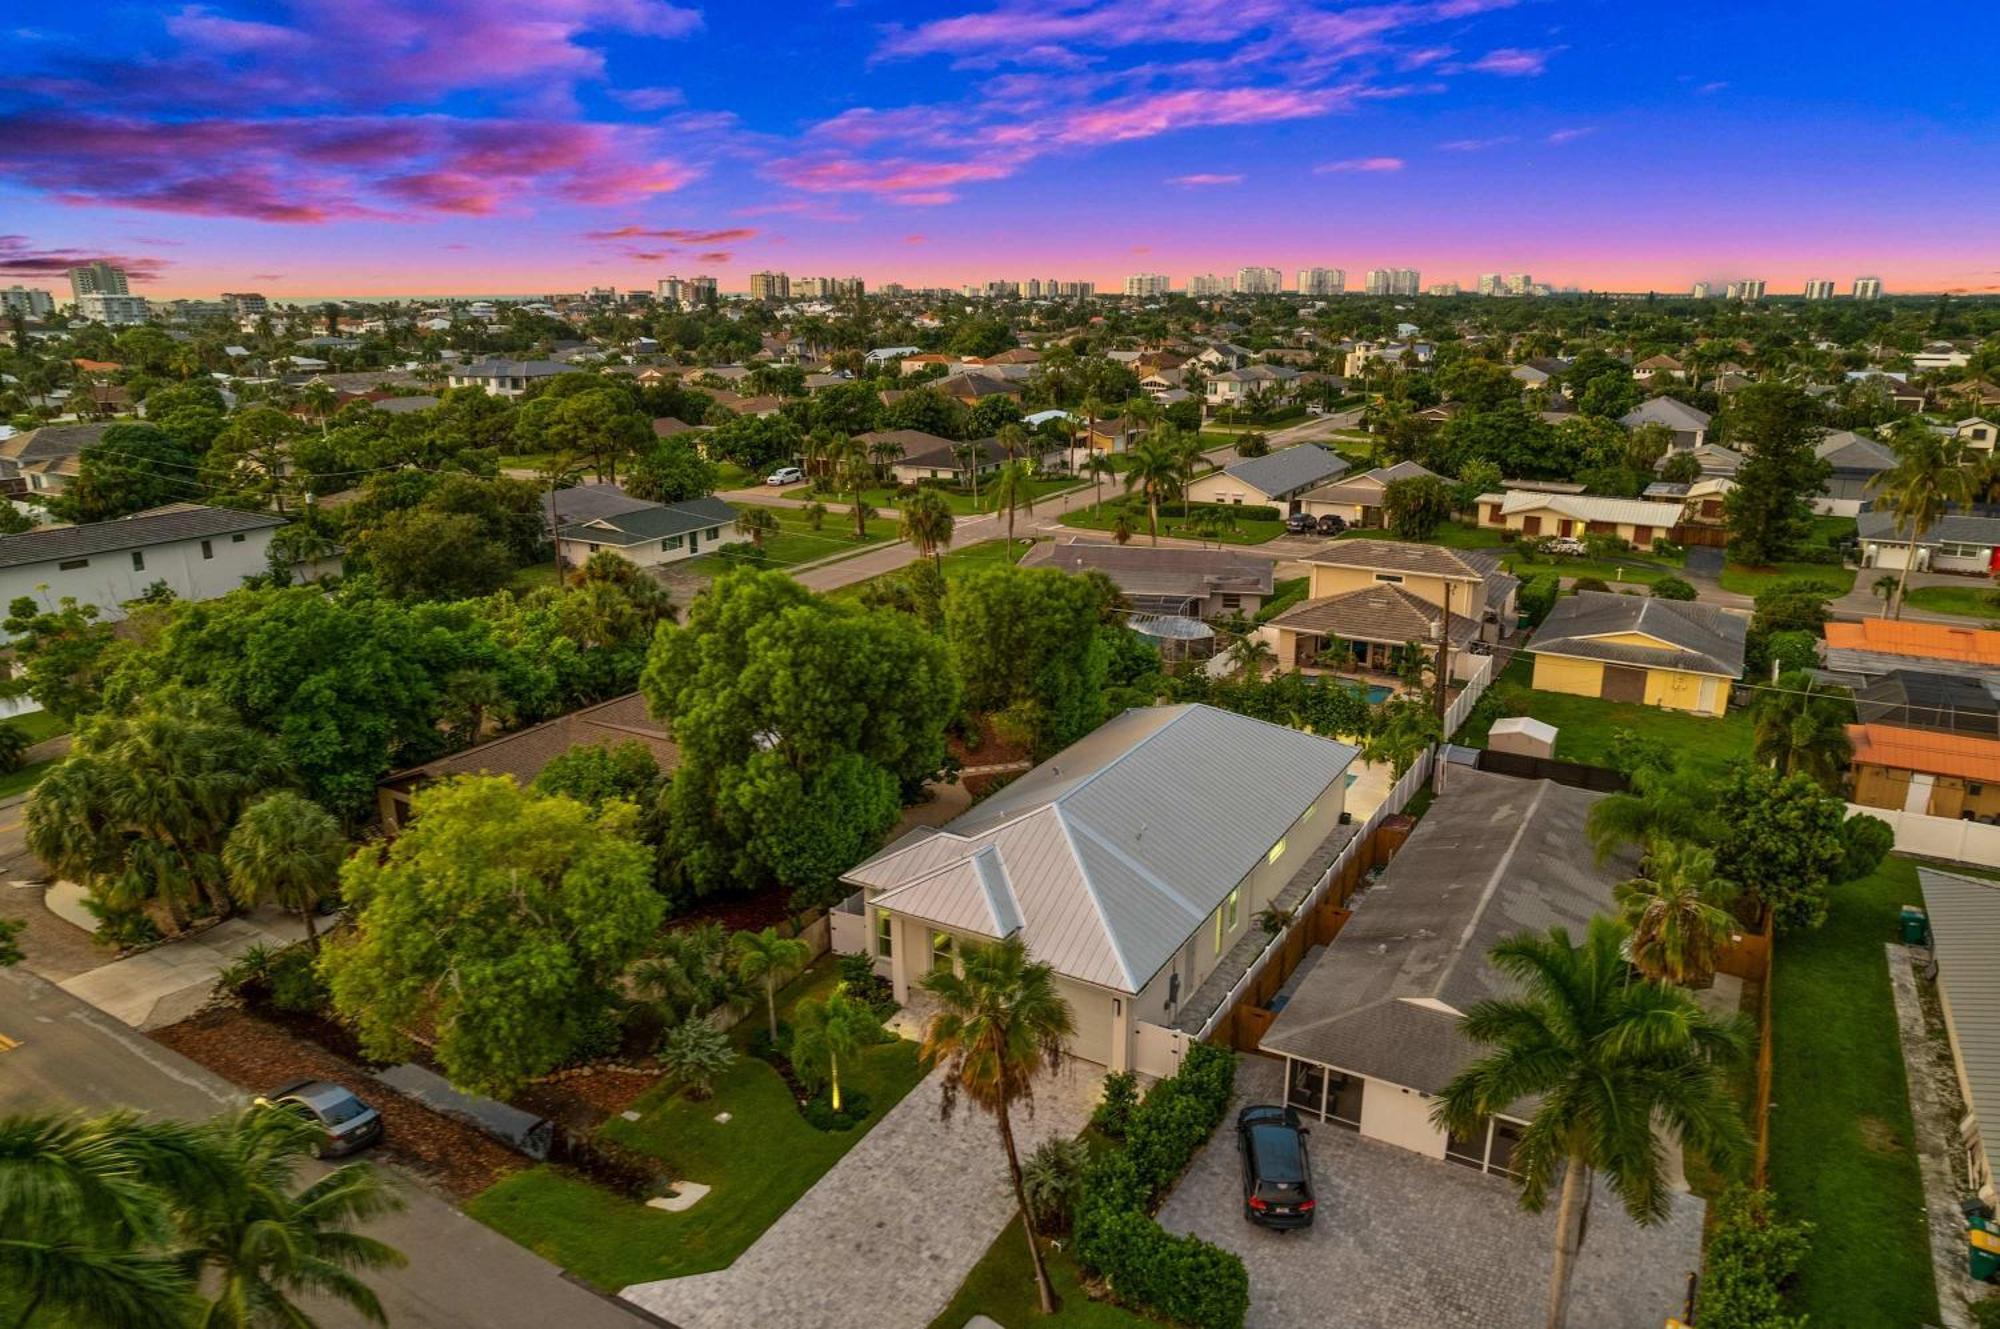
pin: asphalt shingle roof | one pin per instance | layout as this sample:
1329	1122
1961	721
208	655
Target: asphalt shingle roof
143	530
1289	470
655	521
1702	639
1952	528
1668	411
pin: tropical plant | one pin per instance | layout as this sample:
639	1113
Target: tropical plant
760	524
767	959
694	1052
1052	1179
255	1243
1929	476
1400	731
1612	1062
1000	1021
1013	490
285	849
1678	911
1097	467
1799	727
828	1031
1122	529
1252	654
690	974
927	522
1885	588
1251	443
1155	472
1114	1110
1660	805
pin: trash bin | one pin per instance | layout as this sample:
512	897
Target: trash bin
1985	1254
1916	925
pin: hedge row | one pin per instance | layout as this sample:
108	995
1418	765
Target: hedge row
1183	1279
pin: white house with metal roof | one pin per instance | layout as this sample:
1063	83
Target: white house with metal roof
1278	478
1132	862
1965	937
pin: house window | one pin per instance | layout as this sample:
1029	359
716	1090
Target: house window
1392	578
885	934
1468	1150
237	538
1343	1099
1307	815
72	564
207	549
1229	909
942	950
1277	852
1232	602
673	542
713	533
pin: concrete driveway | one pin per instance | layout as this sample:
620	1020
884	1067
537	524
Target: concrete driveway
174	979
888	1235
1402	1240
71	1055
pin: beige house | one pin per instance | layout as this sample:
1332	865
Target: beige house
1132	863
647	535
1357	499
1535	514
1279	479
1375	596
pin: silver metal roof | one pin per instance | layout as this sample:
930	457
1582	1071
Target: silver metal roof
1965	936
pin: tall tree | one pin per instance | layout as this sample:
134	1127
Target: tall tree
1155	472
1801	726
1013	490
285	849
1931	473
1678	911
1001	1021
1776	427
1611	1062
1031	641
827	1031
129	469
926	521
767	959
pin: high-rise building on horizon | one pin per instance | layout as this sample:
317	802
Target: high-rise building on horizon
245	304
1442	288
1146	283
1748	289
770	286
98	278
29	302
1076	290
1322	281
1819	289
1868	288
1490	283
687	291
1520	283
1701	290
1259	281
113	309
1207	284
1393	281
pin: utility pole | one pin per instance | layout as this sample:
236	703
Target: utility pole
1443	675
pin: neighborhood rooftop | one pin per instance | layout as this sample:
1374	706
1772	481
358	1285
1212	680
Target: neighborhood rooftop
1698	638
178	521
1289	469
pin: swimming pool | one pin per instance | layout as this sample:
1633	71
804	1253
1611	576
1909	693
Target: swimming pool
1373	693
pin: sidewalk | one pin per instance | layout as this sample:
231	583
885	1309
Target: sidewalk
175	978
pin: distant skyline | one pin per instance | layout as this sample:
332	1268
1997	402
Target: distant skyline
378	147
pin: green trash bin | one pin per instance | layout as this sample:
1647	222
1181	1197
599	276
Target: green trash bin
1916	925
1985	1254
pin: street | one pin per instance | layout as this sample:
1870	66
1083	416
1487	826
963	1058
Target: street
67	1054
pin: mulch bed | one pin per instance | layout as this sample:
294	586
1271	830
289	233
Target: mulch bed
737	913
583	1102
260	1056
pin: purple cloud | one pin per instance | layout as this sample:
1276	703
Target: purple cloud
1360	164
1204	178
1562	136
1512	62
22	261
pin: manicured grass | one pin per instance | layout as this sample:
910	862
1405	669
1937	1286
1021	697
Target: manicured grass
532	577
1101	516
1451	535
795	541
1585	725
757	1165
1842	1143
38	725
962	502
17	782
1975	601
1748	581
1284	594
728	475
1002	1287
956	563
1613	572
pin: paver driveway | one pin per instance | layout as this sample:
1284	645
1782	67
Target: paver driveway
1402	1240
889	1233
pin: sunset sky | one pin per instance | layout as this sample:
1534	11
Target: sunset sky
374	147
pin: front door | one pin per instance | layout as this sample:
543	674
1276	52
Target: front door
1622	684
1531	525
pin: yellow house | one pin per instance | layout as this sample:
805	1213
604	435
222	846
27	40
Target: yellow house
1535	513
1675	654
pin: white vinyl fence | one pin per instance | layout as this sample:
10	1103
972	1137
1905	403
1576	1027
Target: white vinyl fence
1939	837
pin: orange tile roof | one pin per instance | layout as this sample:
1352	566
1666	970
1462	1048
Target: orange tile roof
1962	755
1930	641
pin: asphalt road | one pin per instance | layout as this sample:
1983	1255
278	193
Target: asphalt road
460	1274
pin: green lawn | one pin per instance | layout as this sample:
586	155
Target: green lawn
1633	570
1749	581
1584	725
38	725
1842	1151
1974	601
758	1164
797	542
962	502
532	577
1284	594
19	782
1451	535
1101	516
956	563
1002	1287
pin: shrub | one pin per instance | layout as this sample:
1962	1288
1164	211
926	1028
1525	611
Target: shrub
1053	1180
1537	596
1752	1256
1590	584
819	1113
14	745
855	969
598	1034
295	984
694	1053
1114	1110
1868	841
1792	650
1673	588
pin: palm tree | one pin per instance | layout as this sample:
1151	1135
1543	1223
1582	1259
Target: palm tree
1013	440
1800	729
1093	411
320	400
1014	489
969	455
1099	467
1155	472
927	523
1122	529
85	1206
768	959
1884	587
760	524
825	1031
1659	806
1929	476
1001	1019
1251	655
256	1243
884	453
286	849
1252	444
1678	911
1612	1061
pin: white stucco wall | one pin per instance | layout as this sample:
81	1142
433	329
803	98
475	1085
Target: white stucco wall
109	579
1400	1116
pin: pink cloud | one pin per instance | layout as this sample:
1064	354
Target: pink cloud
1512	62
1360	164
714	256
648	99
1144	117
896	177
913	239
1571	135
22	261
1475	144
1199	179
682	234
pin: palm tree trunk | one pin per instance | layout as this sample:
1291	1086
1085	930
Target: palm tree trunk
771	1004
1903	577
1569	1238
1153	515
1043	1289
312	933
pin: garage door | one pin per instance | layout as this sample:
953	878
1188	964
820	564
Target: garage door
1622	684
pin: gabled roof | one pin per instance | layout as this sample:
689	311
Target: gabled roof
1289	470
1668	411
1962	755
1967	528
651	521
509	369
53	441
1112	853
589	502
1367	487
1493	857
1965	936
1163	573
1588	507
1695	637
1846	450
141	530
1404	556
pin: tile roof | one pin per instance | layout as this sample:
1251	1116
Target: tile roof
1110	855
1965	936
1917	641
1964	755
1289	470
1700	638
1380	613
1493	857
142	530
1404	556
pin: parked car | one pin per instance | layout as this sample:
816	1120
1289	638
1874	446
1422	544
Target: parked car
785	475
1332	525
1301	523
350	1124
1277	1173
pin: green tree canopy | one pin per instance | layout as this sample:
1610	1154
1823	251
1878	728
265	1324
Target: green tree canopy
1030	640
1769	512
129	469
